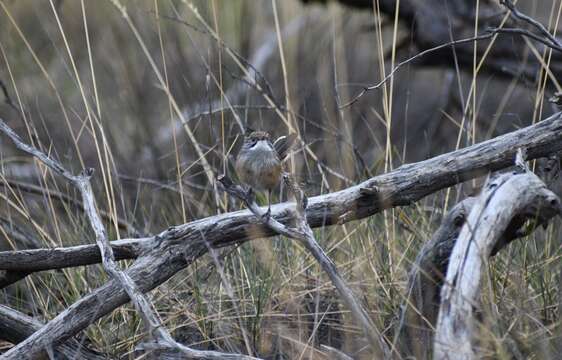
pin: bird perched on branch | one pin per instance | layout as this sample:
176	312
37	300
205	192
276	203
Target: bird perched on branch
259	162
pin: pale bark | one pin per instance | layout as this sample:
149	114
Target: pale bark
504	198
178	247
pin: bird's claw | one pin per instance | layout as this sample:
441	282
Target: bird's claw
266	216
250	195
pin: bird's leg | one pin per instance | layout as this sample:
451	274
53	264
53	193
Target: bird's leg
250	195
268	213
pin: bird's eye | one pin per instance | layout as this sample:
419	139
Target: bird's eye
253	143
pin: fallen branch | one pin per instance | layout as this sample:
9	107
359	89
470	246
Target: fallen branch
521	196
16	265
63	257
400	187
178	247
414	337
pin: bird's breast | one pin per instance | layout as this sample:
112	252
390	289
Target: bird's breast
260	169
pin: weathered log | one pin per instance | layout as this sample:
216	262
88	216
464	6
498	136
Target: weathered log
63	257
504	198
178	247
420	310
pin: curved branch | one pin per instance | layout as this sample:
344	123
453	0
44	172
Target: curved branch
505	198
419	312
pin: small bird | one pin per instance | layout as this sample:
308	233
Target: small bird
259	162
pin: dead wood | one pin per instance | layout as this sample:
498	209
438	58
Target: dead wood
178	247
419	313
62	257
400	187
59	258
16	327
160	336
420	310
506	199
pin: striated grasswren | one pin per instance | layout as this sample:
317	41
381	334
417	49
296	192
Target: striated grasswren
259	161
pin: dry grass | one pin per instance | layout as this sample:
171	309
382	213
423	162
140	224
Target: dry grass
125	95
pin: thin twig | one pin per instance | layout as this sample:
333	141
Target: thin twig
527	33
415	57
487	35
520	16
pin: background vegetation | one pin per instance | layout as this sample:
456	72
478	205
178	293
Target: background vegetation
155	101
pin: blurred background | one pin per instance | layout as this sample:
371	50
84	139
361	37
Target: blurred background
155	96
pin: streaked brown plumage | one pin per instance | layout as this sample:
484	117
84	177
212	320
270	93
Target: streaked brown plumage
259	161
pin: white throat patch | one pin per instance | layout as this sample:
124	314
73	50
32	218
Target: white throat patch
262	145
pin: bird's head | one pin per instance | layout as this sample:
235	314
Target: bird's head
258	140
